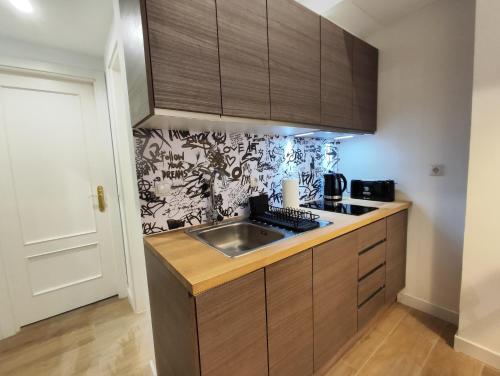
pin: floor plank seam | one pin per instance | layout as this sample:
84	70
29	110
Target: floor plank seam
381	344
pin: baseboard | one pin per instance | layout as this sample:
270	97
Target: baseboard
152	366
428	307
477	351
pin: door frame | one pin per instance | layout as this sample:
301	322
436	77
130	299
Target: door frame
123	146
8	323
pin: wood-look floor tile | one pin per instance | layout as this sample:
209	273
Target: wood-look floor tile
341	368
406	349
489	371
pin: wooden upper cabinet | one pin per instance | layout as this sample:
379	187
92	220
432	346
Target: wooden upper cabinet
335	282
136	54
232	333
290	316
244	57
396	254
365	75
294	62
336	76
184	54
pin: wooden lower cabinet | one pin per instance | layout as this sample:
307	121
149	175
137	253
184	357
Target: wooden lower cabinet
335	281
396	254
232	331
290	316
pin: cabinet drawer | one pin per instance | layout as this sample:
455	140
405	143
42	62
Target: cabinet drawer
370	284
371	259
371	234
370	308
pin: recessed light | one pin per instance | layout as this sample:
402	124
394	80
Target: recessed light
303	134
22	5
343	137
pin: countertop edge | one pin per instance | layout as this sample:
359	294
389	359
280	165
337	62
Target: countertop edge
199	287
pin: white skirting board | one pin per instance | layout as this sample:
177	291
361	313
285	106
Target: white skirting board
152	365
477	351
428	307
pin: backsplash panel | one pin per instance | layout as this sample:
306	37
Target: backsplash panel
183	160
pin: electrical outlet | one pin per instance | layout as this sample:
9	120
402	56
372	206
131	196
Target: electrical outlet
437	170
254	182
161	189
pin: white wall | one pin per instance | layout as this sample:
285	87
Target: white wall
425	83
22	50
479	329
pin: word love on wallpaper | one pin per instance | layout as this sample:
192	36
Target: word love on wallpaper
253	163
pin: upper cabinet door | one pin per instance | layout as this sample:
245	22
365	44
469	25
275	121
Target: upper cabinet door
365	60
136	54
244	57
184	54
294	62
336	76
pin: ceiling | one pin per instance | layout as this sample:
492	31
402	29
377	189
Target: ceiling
76	25
82	25
363	17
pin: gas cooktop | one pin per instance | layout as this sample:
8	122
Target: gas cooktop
338	207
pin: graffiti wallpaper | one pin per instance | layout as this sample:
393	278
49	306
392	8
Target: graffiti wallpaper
252	164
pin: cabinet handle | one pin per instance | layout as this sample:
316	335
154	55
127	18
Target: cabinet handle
100	198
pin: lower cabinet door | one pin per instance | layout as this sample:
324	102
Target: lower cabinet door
232	328
396	255
335	282
290	316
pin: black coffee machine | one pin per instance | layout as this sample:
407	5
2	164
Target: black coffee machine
335	185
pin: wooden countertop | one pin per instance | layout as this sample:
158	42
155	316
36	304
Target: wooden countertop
199	267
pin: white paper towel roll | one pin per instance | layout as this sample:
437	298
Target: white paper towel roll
290	189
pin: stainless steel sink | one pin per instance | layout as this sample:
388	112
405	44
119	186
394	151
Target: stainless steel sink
238	238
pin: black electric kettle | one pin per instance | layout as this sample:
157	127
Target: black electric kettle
335	185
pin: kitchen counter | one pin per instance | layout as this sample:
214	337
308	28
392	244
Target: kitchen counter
200	267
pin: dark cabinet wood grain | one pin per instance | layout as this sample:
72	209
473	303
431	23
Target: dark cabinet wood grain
232	327
365	75
396	254
184	54
336	76
294	62
335	282
243	55
290	316
136	54
173	320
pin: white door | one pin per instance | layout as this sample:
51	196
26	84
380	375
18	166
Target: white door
57	244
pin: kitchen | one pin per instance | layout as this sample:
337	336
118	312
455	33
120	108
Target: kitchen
303	180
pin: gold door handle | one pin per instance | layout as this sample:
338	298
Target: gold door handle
100	198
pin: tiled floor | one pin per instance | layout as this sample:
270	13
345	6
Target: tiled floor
107	338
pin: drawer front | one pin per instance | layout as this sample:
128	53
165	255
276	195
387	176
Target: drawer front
370	284
372	234
371	259
368	310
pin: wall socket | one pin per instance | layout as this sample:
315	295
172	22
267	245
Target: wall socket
254	182
436	170
161	189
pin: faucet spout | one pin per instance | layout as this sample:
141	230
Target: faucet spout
213	212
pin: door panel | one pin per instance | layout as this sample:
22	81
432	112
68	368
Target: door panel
335	281
396	254
57	246
243	54
184	54
294	62
336	76
365	75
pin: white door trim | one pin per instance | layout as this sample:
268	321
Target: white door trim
8	323
123	147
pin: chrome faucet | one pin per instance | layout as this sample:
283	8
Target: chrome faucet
213	213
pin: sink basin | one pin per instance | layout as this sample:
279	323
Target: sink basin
238	238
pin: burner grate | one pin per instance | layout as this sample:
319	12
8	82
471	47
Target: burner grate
292	219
